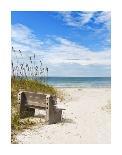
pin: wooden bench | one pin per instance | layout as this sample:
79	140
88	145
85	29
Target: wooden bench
29	101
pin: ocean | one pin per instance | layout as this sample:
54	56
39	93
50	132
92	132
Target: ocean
80	82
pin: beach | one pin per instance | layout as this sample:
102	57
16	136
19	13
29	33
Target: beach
86	120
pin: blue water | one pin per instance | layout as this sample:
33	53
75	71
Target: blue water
79	82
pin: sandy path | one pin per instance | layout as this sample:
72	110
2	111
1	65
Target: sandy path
87	119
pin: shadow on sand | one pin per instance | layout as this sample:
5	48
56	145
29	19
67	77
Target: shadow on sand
67	120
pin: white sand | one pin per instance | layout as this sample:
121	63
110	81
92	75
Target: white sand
87	120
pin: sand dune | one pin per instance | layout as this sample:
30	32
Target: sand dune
86	120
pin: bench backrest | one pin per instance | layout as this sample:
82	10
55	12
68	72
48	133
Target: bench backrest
33	99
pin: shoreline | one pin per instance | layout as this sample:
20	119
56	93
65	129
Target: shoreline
66	87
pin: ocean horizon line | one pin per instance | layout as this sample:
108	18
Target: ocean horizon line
82	76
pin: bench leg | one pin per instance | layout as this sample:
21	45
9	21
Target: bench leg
58	115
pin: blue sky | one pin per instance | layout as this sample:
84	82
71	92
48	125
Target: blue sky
70	43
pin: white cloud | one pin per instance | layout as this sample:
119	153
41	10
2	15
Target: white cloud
79	20
23	37
82	18
105	18
61	52
69	52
